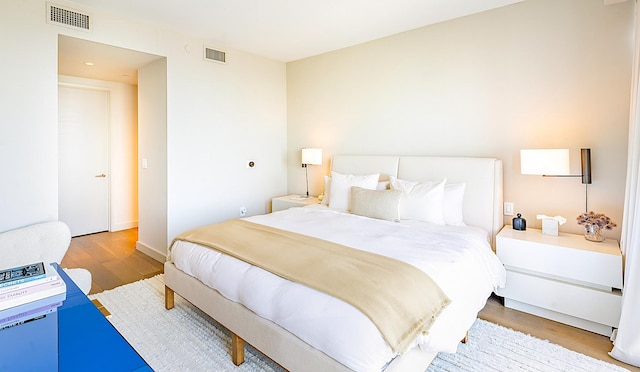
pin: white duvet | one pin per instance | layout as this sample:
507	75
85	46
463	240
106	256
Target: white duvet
458	258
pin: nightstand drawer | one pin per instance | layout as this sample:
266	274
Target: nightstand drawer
585	303
547	255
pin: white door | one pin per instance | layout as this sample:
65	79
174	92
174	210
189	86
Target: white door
83	178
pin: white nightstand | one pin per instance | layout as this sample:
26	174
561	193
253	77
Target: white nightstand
289	201
565	278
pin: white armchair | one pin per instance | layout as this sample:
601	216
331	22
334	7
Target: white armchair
43	242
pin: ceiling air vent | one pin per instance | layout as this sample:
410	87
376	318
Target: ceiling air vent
68	17
215	55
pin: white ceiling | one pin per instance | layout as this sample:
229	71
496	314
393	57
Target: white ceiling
109	63
284	30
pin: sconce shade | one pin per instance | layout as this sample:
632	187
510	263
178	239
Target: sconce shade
312	156
585	164
550	162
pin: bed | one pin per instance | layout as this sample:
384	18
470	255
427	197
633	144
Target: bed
323	333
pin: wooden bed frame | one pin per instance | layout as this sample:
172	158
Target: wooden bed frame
482	208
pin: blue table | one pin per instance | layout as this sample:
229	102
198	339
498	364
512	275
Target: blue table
86	339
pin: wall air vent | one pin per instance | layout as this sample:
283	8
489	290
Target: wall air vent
215	55
68	17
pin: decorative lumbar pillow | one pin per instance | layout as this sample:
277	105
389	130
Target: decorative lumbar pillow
380	204
452	204
340	194
421	201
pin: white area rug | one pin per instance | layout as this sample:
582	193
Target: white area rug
185	339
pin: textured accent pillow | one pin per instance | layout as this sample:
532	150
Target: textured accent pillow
380	204
452	204
421	201
340	194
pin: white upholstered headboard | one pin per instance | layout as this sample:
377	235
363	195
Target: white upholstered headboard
482	204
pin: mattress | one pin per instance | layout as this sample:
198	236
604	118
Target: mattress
458	258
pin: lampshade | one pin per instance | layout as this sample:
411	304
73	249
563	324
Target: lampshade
312	156
550	162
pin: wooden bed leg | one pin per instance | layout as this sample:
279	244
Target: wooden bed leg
237	349
168	298
465	339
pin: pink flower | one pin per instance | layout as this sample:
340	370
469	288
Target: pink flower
596	219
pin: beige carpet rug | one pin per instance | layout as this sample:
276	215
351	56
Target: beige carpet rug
185	339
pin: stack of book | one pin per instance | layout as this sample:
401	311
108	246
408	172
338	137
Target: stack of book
28	293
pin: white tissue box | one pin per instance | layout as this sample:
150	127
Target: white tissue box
550	227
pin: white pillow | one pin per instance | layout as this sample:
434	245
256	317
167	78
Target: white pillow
421	201
380	204
383	185
340	189
327	190
452	204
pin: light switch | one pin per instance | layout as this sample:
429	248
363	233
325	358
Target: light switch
508	209
144	163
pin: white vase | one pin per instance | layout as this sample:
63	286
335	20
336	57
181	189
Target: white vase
593	233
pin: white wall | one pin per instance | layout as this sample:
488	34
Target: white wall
28	117
537	74
238	113
217	117
123	141
152	127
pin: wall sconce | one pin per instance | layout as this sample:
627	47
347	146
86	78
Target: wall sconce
555	163
310	157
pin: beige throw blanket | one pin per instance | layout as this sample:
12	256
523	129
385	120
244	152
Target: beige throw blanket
400	300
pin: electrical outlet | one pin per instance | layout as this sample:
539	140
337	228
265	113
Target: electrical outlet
243	211
508	209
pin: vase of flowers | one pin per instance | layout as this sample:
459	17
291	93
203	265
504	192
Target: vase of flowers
593	224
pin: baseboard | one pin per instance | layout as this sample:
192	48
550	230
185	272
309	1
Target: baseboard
124	226
153	253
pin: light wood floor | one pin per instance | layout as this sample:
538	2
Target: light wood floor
111	258
114	261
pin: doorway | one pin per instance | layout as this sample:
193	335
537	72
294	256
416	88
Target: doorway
137	196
